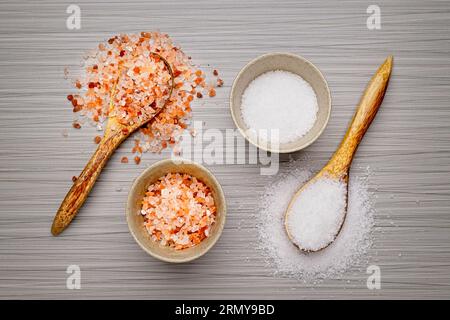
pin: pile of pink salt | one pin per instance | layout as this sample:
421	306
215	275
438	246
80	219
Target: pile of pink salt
126	62
178	211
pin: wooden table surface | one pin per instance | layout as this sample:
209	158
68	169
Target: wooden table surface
407	147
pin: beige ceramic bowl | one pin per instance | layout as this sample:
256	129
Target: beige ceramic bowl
287	62
136	221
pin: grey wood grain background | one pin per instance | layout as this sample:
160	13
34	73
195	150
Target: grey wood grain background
407	147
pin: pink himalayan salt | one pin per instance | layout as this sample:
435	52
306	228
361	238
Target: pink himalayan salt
178	210
142	85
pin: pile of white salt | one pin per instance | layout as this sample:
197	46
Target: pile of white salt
348	250
279	102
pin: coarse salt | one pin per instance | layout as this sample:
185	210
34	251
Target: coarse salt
316	215
178	210
126	62
281	102
347	251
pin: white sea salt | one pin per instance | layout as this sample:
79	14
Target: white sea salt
279	101
348	250
317	213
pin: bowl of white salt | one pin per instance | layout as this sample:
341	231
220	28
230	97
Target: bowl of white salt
280	102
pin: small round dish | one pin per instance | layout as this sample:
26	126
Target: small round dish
136	220
286	62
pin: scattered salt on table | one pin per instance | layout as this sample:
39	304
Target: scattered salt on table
317	214
348	250
279	100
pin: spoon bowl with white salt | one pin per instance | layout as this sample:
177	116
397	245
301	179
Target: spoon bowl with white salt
317	211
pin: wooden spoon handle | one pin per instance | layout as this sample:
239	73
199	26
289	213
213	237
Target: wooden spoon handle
367	109
84	183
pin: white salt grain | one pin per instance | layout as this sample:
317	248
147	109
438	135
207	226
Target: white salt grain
317	214
279	101
348	250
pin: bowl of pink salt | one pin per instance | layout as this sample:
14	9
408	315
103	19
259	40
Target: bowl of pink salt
280	102
176	210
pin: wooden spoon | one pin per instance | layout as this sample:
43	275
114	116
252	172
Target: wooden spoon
339	165
115	134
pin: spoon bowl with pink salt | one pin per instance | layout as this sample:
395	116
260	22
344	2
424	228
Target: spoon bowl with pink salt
316	213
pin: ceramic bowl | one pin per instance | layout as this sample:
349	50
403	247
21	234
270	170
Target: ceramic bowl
287	62
136	221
